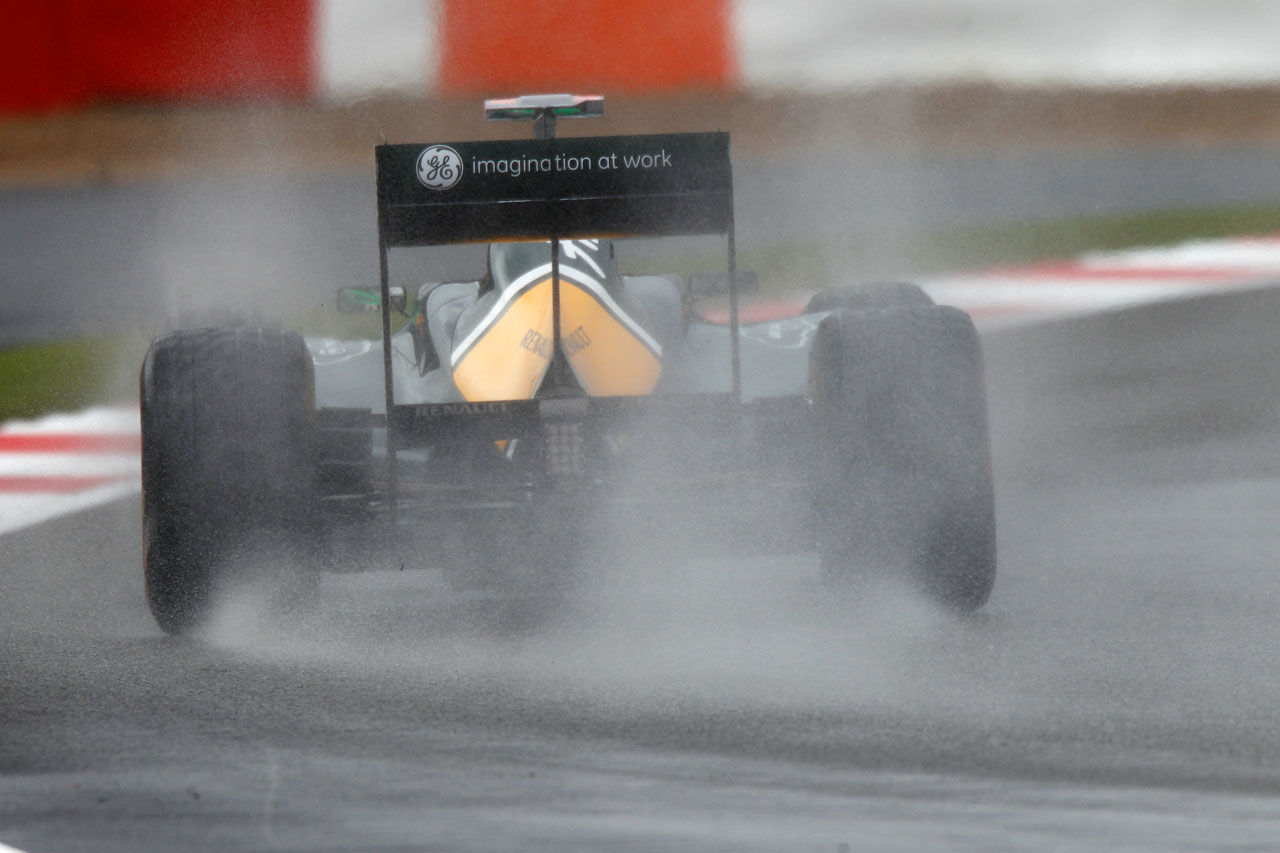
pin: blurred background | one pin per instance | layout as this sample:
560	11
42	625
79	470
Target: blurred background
164	159
103	88
160	157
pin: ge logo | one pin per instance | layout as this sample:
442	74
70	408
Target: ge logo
439	167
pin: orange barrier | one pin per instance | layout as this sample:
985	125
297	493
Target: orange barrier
65	53
623	45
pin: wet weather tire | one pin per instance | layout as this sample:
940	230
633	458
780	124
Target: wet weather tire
904	464
227	462
869	295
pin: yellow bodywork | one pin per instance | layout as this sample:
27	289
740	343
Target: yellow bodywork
509	360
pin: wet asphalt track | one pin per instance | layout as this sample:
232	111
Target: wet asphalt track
1121	690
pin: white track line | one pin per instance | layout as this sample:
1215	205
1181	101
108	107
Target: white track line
1108	281
65	463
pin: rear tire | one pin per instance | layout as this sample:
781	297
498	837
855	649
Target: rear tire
904	477
869	295
227	467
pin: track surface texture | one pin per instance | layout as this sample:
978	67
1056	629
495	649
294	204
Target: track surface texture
1120	691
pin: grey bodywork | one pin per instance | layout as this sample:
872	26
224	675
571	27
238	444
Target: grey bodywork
774	354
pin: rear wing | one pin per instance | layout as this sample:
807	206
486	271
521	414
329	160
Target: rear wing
548	189
624	186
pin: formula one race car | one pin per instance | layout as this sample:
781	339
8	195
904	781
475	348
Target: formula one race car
505	414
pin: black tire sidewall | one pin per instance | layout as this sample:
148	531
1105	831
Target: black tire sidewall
904	463
227	453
